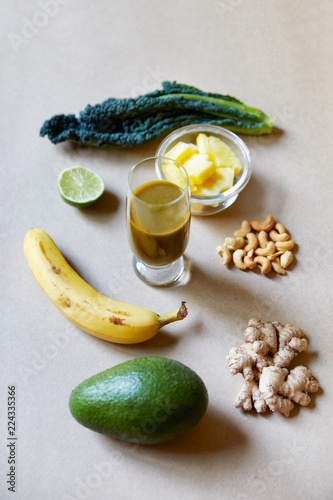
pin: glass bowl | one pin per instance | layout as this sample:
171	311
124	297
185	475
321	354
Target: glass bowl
208	205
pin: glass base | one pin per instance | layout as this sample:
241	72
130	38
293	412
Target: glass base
159	276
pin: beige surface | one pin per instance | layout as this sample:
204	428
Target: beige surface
274	55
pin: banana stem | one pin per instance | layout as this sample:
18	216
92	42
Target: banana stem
165	319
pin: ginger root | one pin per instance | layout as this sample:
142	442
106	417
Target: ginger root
263	360
248	393
290	342
262	334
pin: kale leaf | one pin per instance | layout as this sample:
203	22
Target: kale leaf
119	123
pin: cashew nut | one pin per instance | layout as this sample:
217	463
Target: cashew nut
224	251
259	242
265	225
234	243
280	228
252	242
285	245
265	264
263	239
277	267
244	230
269	250
237	258
275	236
286	258
274	255
249	262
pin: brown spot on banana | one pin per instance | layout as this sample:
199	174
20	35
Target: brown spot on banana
122	313
66	302
53	267
116	321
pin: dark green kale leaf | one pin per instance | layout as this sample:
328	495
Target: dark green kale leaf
118	123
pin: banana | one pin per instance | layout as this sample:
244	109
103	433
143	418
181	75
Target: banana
91	311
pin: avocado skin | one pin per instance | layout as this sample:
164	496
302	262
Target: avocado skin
146	400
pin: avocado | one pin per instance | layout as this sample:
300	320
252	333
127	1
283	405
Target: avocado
145	400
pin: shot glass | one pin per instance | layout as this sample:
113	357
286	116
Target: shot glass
158	213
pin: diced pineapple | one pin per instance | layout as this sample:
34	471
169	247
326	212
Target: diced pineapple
237	166
181	152
221	180
203	144
211	165
222	155
199	168
174	174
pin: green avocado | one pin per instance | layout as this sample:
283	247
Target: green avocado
145	400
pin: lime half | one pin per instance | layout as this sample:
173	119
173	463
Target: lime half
80	186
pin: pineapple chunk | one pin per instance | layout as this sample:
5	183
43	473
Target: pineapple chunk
219	152
174	174
203	144
199	168
221	180
181	152
222	155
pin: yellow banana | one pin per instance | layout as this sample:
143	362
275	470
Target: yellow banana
94	313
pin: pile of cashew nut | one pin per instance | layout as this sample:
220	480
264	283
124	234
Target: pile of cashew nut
265	243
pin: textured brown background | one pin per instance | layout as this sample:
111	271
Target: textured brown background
273	55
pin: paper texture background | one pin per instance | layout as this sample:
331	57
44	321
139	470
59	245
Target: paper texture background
273	55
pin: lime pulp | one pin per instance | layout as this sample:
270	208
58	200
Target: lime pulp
80	186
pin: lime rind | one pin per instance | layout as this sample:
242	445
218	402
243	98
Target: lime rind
80	186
